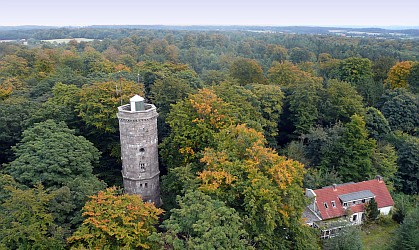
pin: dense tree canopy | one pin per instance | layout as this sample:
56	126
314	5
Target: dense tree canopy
256	182
401	109
407	234
247	71
201	222
98	102
26	222
230	103
51	154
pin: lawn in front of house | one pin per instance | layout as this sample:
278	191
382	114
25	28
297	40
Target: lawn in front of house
379	235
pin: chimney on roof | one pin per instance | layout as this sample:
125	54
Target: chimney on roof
379	178
335	186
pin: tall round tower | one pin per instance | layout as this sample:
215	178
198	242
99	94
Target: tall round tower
138	135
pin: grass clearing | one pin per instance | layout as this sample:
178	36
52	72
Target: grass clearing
380	235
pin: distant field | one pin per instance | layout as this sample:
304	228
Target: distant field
68	40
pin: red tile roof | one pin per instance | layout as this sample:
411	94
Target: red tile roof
328	194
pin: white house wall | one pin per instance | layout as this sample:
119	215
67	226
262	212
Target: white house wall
385	210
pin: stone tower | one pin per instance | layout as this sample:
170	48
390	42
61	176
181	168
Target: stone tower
138	135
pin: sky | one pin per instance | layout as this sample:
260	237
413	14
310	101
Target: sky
371	13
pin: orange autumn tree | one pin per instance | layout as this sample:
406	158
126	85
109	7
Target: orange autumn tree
116	222
262	186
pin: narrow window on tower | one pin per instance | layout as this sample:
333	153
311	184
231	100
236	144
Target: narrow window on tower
142	166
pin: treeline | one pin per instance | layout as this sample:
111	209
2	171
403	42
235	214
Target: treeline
246	121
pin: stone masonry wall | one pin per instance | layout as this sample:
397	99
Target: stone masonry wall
139	154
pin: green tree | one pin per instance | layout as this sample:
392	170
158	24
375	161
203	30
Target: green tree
165	92
60	107
201	222
247	71
355	161
339	102
115	221
277	52
403	204
413	78
98	103
407	147
401	109
286	74
407	235
168	91
371	210
271	100
303	105
355	70
243	104
348	239
51	154
321	145
345	149
298	55
381	66
376	124
95	65
384	161
26	223
152	71
14	114
318	178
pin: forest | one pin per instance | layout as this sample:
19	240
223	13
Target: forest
247	121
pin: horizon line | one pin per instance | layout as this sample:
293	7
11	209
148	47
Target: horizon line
222	25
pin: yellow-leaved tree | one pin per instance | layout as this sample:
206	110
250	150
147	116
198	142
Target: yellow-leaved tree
262	186
398	74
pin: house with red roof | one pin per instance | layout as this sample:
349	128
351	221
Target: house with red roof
336	206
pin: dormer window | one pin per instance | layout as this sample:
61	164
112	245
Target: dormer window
345	204
325	205
333	204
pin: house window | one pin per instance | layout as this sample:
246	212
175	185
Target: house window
142	150
146	185
345	204
363	200
353	203
142	166
355	217
141	185
333	204
325	205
